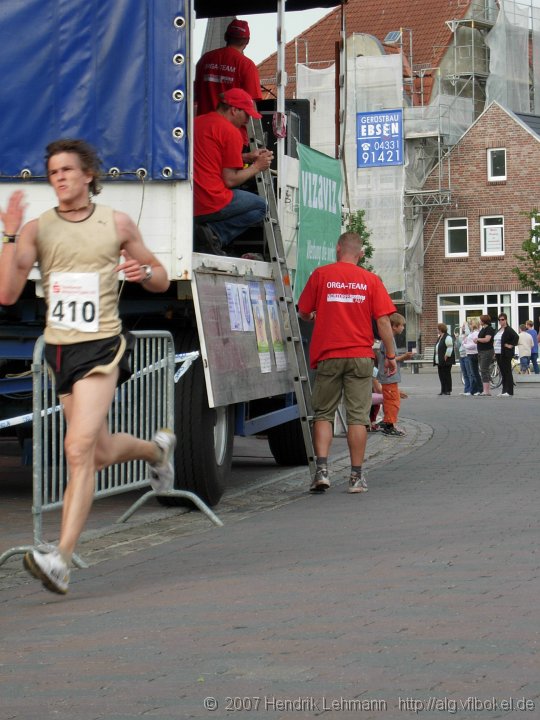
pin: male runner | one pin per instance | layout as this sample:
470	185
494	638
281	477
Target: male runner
77	245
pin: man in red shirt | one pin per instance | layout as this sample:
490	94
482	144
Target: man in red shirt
222	212
226	68
344	300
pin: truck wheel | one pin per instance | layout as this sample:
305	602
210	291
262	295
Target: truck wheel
287	443
204	435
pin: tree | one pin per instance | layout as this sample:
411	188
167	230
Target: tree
358	225
528	270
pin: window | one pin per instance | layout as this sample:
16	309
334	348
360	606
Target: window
535	227
457	237
515	304
496	164
492	235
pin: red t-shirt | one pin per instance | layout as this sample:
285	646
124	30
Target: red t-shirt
218	145
220	70
347	299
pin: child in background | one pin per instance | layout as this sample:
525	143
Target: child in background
390	388
376	401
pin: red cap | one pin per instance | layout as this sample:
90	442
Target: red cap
240	99
238	29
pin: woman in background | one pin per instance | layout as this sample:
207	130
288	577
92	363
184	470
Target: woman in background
485	351
444	357
471	349
461	334
504	344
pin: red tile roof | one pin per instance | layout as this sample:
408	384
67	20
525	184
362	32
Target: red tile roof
425	18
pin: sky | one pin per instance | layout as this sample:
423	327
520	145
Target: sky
263	31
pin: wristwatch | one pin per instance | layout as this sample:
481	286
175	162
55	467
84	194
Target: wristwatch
8	238
148	272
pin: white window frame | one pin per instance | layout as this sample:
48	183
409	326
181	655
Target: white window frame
490	176
447	230
483	227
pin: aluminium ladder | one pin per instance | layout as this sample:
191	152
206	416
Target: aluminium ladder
293	338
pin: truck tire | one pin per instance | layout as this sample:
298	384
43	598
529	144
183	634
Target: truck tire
287	443
204	435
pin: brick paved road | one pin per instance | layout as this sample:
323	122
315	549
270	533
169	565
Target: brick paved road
425	590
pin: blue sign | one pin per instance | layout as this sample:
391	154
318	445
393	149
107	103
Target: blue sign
379	138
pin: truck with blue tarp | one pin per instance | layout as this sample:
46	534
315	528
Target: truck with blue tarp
119	75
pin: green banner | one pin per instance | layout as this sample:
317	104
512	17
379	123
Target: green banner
319	213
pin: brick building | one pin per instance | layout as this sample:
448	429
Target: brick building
470	245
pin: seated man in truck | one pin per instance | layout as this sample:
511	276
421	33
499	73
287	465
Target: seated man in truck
77	245
226	68
222	212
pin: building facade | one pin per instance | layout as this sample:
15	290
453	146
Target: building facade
470	245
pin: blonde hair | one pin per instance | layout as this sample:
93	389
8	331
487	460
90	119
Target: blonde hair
475	324
397	319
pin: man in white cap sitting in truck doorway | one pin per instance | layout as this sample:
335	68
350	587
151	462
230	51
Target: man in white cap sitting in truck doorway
222	211
226	68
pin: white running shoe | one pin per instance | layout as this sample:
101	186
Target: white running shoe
357	483
47	564
162	472
320	481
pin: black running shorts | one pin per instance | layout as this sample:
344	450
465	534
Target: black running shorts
70	363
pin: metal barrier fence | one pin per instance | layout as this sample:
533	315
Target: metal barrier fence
141	405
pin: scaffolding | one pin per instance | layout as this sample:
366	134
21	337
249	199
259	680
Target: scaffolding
487	58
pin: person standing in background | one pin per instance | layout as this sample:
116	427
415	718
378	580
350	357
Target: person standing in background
444	357
390	383
524	347
484	343
461	334
504	344
534	353
471	349
224	69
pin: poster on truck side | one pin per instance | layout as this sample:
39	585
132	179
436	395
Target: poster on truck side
319	213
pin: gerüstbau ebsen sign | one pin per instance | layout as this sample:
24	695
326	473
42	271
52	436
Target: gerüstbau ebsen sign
379	138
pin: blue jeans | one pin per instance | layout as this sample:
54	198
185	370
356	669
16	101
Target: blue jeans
534	361
464	364
244	210
474	375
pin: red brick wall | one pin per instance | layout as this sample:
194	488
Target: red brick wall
473	197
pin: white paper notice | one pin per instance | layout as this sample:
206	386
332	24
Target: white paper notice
248	323
260	327
233	301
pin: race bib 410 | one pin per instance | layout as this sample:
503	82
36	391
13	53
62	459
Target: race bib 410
74	301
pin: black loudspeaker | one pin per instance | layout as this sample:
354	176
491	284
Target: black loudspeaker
297	112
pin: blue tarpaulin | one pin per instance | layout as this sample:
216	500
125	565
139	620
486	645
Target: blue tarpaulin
102	71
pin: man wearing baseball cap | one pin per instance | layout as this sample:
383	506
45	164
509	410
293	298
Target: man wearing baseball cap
226	68
221	211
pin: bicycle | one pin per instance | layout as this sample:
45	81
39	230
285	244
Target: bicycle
495	378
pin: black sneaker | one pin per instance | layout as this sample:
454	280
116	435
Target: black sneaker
392	430
206	241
